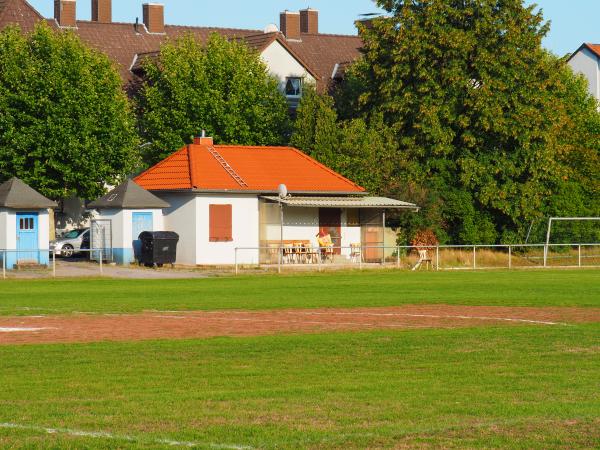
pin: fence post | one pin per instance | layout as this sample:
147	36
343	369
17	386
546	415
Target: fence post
509	257
53	264
280	255
101	258
235	259
360	259
437	258
474	258
4	266
579	254
546	256
398	257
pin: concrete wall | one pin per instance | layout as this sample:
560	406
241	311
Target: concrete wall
283	65
587	63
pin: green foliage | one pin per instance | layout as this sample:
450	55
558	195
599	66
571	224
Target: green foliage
353	147
65	124
493	129
221	86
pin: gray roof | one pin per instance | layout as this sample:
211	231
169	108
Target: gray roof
128	195
15	194
344	202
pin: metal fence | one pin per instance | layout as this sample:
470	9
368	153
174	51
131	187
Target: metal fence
442	257
43	261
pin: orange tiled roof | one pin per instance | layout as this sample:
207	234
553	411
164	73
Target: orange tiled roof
261	169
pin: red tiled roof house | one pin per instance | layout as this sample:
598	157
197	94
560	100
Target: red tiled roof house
225	197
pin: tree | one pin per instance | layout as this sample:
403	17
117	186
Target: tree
364	152
481	112
222	87
65	124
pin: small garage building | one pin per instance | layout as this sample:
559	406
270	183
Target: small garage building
24	225
130	210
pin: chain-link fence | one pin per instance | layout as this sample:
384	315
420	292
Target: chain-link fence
298	257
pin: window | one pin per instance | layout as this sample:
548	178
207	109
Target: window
26	224
293	87
219	228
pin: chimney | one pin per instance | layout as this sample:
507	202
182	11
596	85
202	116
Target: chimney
290	24
309	21
102	11
154	17
203	140
65	13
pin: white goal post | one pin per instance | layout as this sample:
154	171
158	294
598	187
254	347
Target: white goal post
561	219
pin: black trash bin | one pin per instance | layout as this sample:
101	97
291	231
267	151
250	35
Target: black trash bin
158	248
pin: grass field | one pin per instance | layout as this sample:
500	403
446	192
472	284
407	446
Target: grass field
350	289
493	387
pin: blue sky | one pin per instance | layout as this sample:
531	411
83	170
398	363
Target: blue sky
573	21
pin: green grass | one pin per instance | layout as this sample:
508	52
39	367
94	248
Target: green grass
517	387
350	289
496	387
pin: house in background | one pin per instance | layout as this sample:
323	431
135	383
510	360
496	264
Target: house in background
24	225
295	53
226	197
586	61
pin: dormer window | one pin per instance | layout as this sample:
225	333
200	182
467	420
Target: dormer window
293	87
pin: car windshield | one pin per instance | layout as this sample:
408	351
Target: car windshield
73	234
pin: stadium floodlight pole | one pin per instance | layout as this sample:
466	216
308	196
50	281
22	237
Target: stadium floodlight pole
560	219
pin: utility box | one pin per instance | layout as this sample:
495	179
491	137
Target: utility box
158	248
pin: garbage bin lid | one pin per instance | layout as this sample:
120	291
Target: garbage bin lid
154	235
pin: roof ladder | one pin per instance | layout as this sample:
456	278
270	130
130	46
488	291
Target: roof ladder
227	167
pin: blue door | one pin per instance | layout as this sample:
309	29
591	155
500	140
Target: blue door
141	221
27	238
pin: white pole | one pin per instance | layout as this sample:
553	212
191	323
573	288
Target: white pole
236	263
579	254
437	257
4	265
510	257
547	242
279	259
474	258
398	257
101	269
53	263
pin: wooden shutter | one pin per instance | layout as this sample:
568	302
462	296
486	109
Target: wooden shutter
220	223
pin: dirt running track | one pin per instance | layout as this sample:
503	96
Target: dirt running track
181	325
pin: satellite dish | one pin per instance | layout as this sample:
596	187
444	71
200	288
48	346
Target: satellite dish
283	192
271	28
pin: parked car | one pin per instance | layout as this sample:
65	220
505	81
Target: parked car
71	243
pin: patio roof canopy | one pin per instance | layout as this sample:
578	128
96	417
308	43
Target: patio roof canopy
343	202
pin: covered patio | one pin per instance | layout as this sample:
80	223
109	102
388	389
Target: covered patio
311	229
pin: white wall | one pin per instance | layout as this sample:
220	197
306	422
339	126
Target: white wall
245	230
43	230
282	65
127	223
8	234
181	218
587	63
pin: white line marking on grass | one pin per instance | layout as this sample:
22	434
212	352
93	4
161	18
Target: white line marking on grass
314	322
124	437
22	330
436	316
